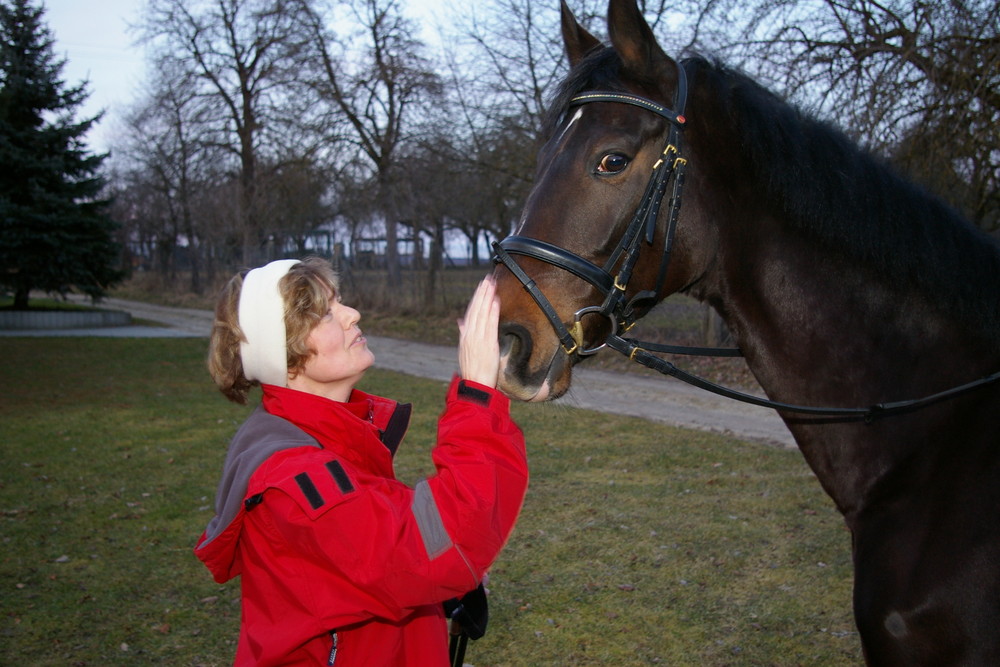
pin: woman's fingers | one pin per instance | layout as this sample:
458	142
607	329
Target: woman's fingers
479	349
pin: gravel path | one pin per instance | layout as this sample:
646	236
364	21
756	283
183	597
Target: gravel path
654	397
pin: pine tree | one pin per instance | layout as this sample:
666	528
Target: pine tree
55	234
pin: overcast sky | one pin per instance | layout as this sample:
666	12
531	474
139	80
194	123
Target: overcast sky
94	39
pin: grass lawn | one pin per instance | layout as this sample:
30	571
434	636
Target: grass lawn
639	543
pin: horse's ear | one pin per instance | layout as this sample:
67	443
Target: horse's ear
635	43
578	41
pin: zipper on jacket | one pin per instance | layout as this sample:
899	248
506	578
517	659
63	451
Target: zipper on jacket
333	649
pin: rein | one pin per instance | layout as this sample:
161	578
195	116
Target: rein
635	352
622	314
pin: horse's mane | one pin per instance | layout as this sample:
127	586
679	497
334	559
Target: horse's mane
837	194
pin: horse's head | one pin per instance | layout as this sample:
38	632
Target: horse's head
616	116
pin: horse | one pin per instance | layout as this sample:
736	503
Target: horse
866	309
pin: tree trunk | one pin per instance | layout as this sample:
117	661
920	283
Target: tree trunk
21	298
434	265
195	256
475	249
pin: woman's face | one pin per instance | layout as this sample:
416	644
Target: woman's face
340	355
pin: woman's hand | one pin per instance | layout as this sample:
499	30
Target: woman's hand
478	342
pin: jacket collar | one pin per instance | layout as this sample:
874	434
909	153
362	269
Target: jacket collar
353	429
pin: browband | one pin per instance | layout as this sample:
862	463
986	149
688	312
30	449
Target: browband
680	100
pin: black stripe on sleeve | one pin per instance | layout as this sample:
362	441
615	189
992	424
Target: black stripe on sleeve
340	476
309	490
473	394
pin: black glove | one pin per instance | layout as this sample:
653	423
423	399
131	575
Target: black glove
471	611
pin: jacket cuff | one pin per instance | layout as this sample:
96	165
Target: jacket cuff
474	392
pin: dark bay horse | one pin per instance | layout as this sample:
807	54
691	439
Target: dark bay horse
843	285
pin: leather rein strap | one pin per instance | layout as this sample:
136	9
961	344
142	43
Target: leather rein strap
868	414
623	314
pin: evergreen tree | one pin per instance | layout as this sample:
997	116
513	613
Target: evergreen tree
55	234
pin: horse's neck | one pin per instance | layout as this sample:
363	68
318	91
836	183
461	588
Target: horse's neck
818	332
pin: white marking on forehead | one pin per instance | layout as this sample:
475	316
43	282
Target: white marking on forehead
524	218
576	117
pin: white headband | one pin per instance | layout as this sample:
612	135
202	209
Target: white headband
262	319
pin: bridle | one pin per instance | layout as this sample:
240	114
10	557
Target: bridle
611	279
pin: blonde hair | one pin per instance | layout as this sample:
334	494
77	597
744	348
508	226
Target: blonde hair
306	291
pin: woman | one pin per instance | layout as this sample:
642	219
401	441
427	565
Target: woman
340	563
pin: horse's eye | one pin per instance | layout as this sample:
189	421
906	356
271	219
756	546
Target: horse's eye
612	163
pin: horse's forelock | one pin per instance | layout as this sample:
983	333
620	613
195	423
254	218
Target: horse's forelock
599	70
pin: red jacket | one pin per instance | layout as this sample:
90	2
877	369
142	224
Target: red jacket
341	563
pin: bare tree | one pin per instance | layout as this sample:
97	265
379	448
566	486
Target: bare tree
918	81
165	154
377	79
240	55
293	201
495	183
505	60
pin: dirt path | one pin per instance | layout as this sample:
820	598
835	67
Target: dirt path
654	397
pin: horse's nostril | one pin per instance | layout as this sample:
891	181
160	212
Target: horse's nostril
515	343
